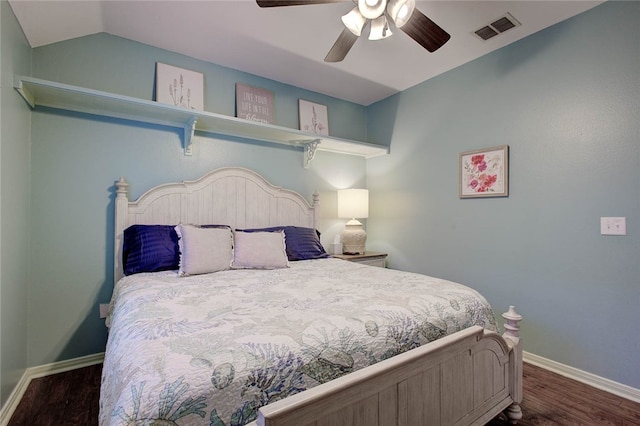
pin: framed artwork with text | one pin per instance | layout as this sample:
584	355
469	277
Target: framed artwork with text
254	104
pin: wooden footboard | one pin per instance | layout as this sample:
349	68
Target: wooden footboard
466	378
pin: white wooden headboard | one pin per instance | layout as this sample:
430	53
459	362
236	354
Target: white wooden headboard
231	196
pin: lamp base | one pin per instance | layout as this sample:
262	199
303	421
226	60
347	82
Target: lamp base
353	238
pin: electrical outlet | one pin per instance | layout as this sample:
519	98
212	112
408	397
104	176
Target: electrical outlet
613	226
104	310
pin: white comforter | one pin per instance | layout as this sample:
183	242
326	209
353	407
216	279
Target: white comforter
211	349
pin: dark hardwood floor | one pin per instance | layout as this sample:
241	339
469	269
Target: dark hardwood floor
71	398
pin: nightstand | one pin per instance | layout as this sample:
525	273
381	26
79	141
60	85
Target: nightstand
371	258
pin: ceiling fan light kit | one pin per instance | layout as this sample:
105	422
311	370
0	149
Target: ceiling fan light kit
354	21
371	9
402	13
379	29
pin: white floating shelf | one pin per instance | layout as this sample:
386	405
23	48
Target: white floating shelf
37	92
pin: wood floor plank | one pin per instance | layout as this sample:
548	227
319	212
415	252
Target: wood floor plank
72	398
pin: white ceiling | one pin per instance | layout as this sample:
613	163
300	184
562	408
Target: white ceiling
288	44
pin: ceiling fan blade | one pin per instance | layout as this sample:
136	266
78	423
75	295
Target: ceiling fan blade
426	32
278	3
341	47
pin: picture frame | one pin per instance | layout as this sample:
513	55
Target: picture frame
484	172
255	104
313	117
179	87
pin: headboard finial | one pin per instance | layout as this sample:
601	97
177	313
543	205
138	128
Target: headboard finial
121	188
511	326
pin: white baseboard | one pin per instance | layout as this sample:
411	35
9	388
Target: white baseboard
40	371
31	373
14	399
598	382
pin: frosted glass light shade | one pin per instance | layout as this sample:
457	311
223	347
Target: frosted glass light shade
353	203
400	11
379	29
354	21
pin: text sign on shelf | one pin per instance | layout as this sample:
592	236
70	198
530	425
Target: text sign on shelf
254	103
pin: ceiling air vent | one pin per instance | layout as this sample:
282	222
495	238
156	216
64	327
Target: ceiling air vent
498	26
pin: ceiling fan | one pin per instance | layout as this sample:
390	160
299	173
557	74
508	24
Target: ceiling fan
402	13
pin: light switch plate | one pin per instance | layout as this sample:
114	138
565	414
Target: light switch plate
613	226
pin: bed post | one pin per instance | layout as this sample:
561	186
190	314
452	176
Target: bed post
121	218
316	210
512	336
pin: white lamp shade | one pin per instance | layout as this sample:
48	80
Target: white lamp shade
379	29
353	203
354	21
400	11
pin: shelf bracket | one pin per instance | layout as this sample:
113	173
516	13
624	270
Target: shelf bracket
26	95
310	149
189	130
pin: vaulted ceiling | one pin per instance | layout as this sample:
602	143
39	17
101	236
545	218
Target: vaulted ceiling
288	44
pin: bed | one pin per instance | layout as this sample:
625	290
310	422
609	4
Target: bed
273	331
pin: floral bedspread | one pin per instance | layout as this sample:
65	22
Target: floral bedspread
211	349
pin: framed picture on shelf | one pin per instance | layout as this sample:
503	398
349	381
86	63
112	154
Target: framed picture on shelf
313	118
254	103
179	87
484	172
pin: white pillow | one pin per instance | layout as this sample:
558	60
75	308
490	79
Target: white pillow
259	250
204	250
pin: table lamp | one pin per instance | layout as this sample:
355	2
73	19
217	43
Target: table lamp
353	204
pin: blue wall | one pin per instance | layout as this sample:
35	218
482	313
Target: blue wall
567	102
76	158
14	207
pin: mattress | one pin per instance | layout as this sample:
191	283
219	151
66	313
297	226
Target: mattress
211	349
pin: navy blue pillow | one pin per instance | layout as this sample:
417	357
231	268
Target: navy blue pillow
150	248
301	243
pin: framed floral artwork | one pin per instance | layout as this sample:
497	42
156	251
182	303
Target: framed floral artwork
313	118
484	172
179	87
